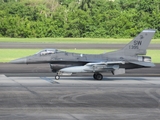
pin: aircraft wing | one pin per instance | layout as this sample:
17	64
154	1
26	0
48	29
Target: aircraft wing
105	63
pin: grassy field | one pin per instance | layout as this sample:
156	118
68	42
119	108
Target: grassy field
7	55
72	40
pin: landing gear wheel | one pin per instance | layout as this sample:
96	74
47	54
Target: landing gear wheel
98	76
57	77
94	76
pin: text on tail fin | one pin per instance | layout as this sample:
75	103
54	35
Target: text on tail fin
139	44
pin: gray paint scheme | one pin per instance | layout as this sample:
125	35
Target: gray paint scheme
63	62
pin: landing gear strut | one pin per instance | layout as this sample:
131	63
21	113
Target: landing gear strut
97	76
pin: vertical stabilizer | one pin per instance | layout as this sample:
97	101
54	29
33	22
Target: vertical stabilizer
140	43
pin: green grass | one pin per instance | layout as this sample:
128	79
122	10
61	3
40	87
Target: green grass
7	55
72	40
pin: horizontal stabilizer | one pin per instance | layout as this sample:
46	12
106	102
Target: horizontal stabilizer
145	64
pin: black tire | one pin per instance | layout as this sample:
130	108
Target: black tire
94	76
99	76
57	77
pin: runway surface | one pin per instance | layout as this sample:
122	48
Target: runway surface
79	98
67	46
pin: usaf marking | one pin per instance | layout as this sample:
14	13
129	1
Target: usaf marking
136	44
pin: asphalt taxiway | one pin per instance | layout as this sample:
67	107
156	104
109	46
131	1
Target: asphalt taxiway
31	92
79	98
67	46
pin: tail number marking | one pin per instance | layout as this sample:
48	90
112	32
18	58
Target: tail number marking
133	47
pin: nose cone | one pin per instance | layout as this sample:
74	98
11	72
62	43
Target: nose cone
19	61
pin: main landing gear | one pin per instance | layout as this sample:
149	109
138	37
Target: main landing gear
97	76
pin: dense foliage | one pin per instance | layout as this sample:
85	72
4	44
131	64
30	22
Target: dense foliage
78	18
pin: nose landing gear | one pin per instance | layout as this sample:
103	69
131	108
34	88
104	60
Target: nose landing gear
57	77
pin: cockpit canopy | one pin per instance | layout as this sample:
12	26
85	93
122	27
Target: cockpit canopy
48	51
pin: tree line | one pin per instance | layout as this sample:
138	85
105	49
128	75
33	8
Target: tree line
78	18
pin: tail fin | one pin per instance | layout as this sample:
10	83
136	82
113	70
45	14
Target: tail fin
140	43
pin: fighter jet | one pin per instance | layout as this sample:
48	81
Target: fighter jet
130	56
